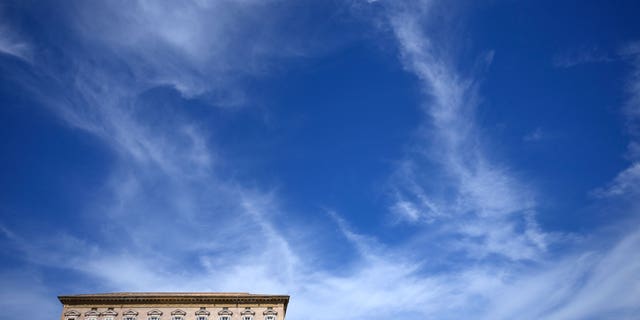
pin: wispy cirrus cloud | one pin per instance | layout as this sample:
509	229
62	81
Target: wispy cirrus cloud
491	211
579	56
627	182
23	288
188	45
632	106
591	284
13	45
535	136
470	196
166	219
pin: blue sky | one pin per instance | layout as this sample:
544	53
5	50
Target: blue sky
373	159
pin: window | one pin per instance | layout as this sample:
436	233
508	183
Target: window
202	314
130	315
178	314
225	314
154	314
110	314
270	314
72	315
247	314
92	315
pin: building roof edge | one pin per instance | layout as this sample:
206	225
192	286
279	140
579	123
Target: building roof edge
172	297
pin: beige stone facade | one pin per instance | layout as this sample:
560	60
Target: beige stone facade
174	306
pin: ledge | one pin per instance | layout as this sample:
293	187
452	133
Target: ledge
172	298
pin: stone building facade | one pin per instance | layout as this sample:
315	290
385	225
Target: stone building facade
174	306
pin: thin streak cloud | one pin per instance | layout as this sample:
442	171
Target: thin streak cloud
487	200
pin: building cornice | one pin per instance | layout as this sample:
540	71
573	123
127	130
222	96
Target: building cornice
173	298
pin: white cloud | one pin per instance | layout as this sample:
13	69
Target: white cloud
627	182
407	210
201	48
598	285
488	202
579	56
534	136
632	106
21	290
166	219
12	44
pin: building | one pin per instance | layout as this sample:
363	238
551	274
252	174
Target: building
174	306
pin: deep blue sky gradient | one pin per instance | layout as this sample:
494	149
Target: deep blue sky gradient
326	110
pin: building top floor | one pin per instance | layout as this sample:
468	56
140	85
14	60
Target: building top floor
174	306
